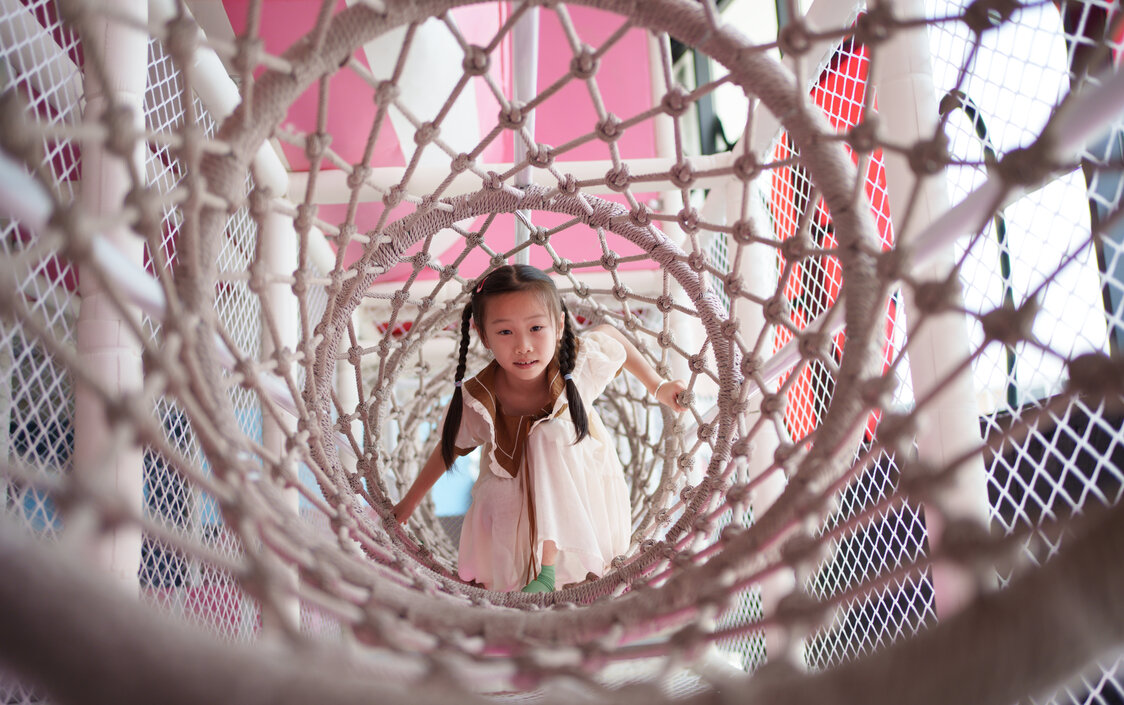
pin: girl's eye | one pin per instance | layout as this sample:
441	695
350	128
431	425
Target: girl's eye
536	329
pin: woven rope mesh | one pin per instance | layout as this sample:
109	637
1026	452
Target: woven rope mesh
893	290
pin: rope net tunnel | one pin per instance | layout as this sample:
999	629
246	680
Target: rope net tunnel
229	335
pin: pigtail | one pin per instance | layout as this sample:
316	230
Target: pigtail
456	405
567	352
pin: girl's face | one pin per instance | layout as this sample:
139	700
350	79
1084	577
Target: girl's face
522	333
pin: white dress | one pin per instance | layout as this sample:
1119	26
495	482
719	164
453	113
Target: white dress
537	485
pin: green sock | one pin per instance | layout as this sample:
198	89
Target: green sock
543	583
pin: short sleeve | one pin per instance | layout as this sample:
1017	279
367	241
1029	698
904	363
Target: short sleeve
473	431
600	359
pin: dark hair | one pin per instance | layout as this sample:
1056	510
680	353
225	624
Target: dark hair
505	280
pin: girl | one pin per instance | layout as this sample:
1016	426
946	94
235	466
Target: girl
550	504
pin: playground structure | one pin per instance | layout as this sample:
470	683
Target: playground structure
896	297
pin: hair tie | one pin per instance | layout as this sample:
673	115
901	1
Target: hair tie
457	384
567	376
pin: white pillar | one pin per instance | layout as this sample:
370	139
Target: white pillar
106	345
278	256
758	271
688	333
524	70
949	424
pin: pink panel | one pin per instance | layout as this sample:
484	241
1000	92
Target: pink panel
351	100
622	78
479	24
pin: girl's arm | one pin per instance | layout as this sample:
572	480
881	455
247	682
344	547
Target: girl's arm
430	473
665	392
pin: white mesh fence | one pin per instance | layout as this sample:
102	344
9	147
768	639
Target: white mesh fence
225	547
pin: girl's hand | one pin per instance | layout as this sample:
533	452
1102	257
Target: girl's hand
403	510
668	394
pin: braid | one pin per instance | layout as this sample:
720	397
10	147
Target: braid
453	416
566	354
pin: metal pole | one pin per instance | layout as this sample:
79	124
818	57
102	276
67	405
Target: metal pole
950	422
105	342
524	71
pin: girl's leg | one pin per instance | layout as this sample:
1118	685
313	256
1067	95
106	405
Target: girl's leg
545	580
549	553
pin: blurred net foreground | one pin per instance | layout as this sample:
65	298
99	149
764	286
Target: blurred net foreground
220	413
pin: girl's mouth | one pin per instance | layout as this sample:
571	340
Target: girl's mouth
525	363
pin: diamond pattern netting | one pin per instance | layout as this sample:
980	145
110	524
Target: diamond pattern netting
797	514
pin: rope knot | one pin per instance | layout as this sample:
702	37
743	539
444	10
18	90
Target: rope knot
813	345
122	134
1096	375
493	182
929	157
743	447
539	236
863	137
742	230
609	261
1010	325
568	185
875	25
476	61
248	54
386	93
608	130
1027	166
358	176
751	365
676	101
300	282
512	117
306	212
696	261
562	266
795	248
697	363
640	216
149	213
426	133
682	175
774	403
461	163
747	167
393	196
542	156
983	15
688	218
182	38
315	144
617	178
584	64
729	328
777	311
794	39
936	296
733	285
